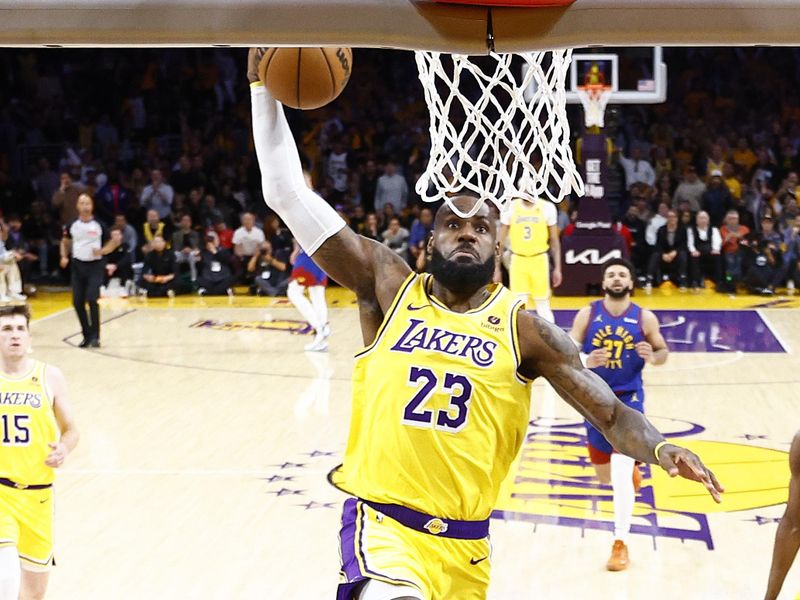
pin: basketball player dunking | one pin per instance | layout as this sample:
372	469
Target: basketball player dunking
618	338
38	432
441	390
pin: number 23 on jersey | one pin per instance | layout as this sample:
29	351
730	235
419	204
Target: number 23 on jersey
458	389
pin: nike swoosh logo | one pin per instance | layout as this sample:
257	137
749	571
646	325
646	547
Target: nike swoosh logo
473	561
411	307
43	501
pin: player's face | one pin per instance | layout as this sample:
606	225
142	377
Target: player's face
617	281
464	249
15	338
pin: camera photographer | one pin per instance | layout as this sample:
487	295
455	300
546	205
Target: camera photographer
270	275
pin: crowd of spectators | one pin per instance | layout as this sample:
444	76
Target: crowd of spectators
703	186
706	184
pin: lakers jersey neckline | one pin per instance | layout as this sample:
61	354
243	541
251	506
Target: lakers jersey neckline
27	374
493	295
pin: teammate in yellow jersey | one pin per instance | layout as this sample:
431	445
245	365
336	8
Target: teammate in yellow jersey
441	389
532	232
37	432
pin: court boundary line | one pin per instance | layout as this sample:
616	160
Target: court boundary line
786	348
51	315
66	339
348	379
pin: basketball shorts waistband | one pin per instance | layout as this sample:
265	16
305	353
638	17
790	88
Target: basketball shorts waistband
437	526
22	486
531	255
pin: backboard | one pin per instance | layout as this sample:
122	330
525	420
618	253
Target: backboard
635	75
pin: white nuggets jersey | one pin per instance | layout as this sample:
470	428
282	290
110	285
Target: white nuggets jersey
439	411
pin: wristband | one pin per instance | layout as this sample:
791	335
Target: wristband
658	448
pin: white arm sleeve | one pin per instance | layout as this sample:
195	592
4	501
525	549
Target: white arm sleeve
310	219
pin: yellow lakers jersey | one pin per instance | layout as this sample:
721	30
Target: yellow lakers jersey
528	232
27	425
439	410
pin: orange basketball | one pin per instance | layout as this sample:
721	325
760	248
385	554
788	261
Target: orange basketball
305	78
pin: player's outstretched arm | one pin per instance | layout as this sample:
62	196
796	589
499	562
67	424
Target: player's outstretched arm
370	269
550	353
787	539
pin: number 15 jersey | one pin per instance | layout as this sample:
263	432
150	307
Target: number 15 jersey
27	425
439	410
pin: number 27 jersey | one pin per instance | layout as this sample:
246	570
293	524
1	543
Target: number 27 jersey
619	335
439	411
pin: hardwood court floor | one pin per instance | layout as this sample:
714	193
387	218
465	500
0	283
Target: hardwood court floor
207	437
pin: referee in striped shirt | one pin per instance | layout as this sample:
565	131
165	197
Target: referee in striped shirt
83	244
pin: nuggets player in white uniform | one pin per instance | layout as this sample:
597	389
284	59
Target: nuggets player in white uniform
532	232
37	431
441	388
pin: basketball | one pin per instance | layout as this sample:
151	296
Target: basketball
305	78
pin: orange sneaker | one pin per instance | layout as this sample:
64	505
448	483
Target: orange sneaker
637	478
619	557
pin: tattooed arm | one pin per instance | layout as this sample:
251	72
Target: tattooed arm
548	352
370	269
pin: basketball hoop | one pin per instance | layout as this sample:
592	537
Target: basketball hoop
594	98
485	134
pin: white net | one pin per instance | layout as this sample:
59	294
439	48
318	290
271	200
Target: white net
487	137
594	103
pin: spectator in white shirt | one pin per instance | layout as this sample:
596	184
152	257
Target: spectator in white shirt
657	222
158	195
705	246
247	239
391	189
637	170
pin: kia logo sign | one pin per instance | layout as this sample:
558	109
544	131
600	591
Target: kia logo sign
590	257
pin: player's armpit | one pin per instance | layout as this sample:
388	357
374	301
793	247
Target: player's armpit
368	268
